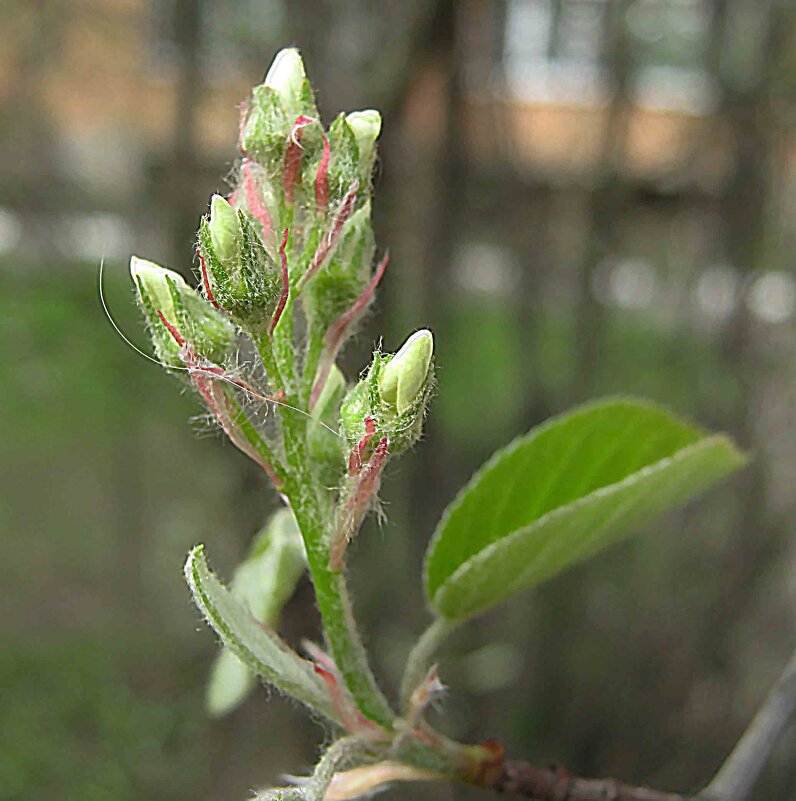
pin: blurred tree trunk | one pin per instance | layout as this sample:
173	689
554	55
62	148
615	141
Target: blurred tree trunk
752	120
181	187
605	200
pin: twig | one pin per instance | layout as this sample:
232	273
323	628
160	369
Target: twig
743	766
556	784
734	781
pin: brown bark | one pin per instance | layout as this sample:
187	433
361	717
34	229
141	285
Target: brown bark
556	784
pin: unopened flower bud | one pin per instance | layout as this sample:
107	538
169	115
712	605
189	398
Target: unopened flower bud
225	230
239	275
402	380
208	332
154	280
366	126
275	105
288	79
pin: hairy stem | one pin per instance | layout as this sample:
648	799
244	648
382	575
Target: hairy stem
337	756
314	514
268	357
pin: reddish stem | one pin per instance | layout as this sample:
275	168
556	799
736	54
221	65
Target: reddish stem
358	451
335	335
356	505
280	307
171	329
322	179
350	717
330	240
206	281
293	156
254	201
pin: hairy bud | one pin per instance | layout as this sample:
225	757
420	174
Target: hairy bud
225	232
366	126
393	394
243	279
207	331
284	95
287	78
405	375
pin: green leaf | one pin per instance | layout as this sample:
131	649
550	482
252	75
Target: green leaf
563	492
263	583
260	649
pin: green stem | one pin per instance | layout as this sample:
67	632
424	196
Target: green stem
283	348
331	594
272	371
338	756
313	513
312	358
420	656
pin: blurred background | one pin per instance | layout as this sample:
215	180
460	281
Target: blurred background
581	197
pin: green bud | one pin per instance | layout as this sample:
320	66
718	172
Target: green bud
401	381
154	280
209	333
275	105
289	80
366	126
344	167
247	286
224	229
266	129
393	392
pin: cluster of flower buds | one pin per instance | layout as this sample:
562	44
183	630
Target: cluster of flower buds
294	237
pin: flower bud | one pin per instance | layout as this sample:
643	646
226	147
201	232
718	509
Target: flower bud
344	165
207	331
284	95
288	79
366	126
225	230
393	393
401	381
248	285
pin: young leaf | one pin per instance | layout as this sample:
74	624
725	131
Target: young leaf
263	583
563	492
254	644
